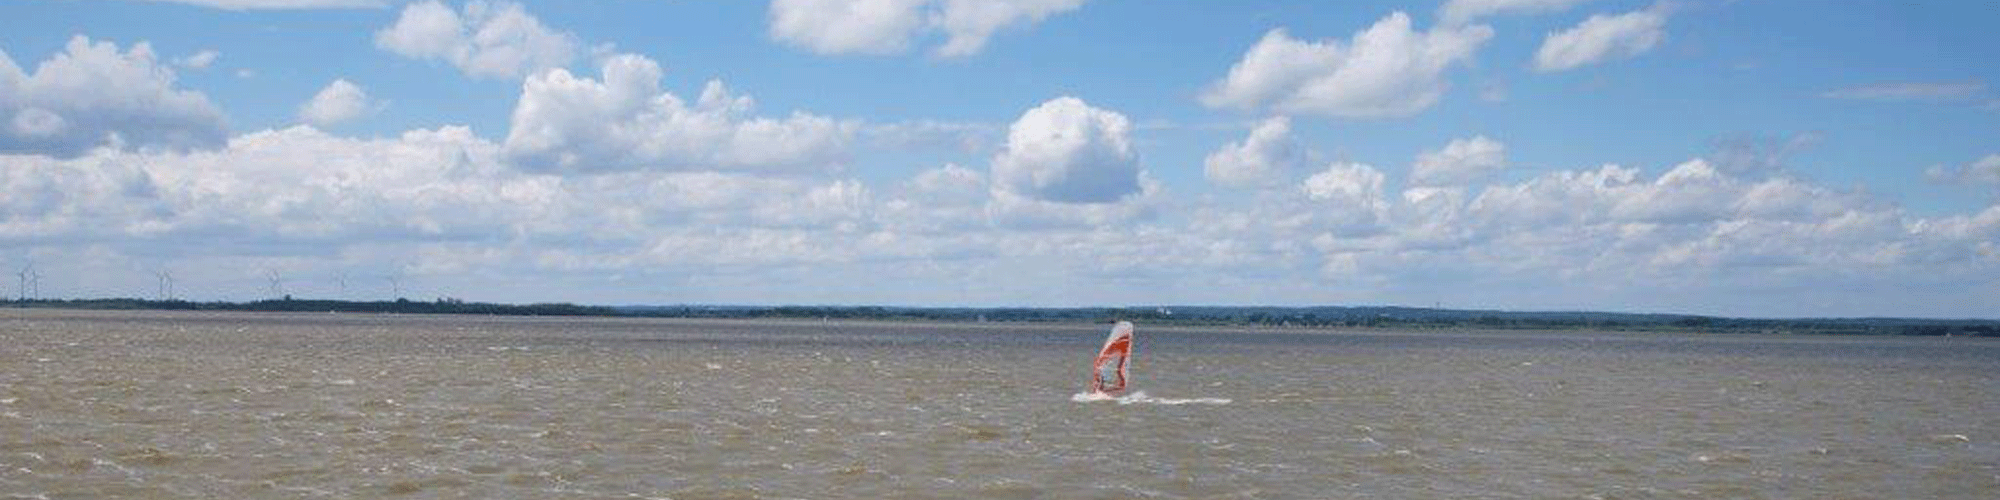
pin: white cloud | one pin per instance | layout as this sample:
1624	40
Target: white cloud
1012	210
1349	196
1066	151
1265	158
1556	198
339	102
1461	162
625	121
92	95
1603	38
198	60
487	40
1693	192
888	26
847	26
1910	91
956	202
1457	12
1690	192
967	24
280	4
1985	170
942	200
295	183
1387	70
41	197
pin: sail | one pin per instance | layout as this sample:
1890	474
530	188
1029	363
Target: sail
1109	372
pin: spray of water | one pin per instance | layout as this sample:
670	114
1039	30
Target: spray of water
1140	397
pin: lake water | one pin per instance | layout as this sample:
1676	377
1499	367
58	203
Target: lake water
210	405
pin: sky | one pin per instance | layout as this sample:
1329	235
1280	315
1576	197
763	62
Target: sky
1761	158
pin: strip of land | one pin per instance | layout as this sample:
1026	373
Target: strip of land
1259	316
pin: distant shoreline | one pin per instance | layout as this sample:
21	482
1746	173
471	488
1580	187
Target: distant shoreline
1387	317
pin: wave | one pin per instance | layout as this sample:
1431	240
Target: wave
1140	397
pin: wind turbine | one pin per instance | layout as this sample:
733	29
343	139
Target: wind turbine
166	284
30	281
277	283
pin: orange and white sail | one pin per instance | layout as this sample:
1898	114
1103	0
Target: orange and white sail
1109	372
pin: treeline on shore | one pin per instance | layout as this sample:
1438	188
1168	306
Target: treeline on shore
1268	317
288	304
1354	317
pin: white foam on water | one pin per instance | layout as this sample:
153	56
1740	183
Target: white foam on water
1091	397
1949	438
1140	397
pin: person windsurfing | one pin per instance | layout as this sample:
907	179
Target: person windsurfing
1109	372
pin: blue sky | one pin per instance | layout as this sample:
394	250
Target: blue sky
1760	158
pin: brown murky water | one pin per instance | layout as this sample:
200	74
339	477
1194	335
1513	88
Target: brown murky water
187	405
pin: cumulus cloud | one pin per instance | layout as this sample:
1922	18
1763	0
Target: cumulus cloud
1693	192
1265	158
625	121
42	196
1350	195
953	202
847	27
1387	70
1982	171
942	200
93	95
1066	151
1604	37
339	102
888	26
1460	162
1456	12
1012	210
485	40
